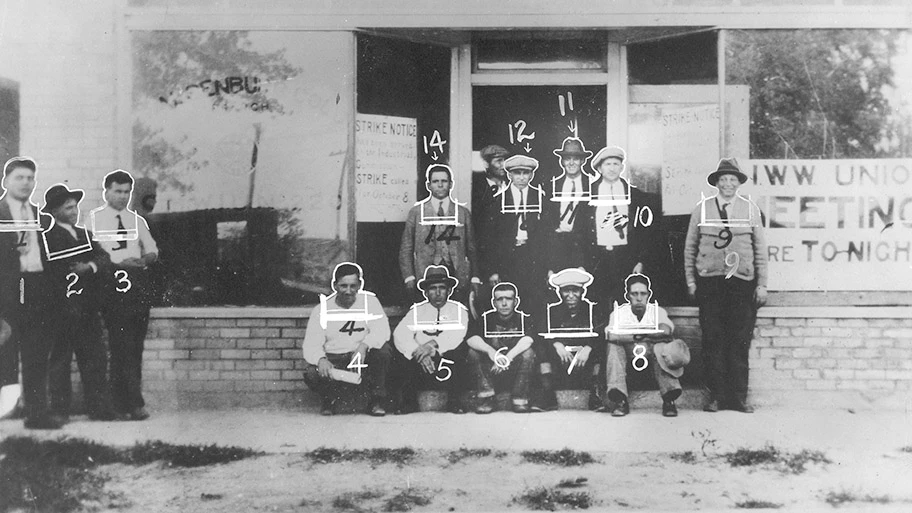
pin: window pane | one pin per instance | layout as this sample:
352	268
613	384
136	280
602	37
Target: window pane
566	54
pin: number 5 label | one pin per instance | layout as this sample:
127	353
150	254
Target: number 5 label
442	366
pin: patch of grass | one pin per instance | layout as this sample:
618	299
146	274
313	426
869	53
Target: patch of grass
573	483
463	453
187	455
550	499
351	501
398	456
795	463
684	457
210	496
405	500
837	499
755	504
564	457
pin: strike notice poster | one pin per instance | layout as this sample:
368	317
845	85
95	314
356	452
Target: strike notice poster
690	142
835	224
386	156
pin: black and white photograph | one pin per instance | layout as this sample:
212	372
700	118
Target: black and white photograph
353	256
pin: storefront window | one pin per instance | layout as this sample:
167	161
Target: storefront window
540	54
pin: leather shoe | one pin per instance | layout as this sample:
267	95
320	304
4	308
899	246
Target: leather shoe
377	410
521	408
620	409
485	406
456	407
742	406
712	406
669	409
43	422
326	408
139	414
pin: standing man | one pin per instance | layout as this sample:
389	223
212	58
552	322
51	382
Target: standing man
500	349
125	236
430	338
568	244
24	292
624	224
643	330
347	330
75	268
485	212
725	263
438	231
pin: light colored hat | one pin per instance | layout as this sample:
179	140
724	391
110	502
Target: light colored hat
672	356
609	152
519	162
571	276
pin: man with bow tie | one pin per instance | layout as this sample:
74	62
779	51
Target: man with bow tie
624	226
75	267
439	231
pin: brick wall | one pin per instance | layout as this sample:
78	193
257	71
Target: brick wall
801	357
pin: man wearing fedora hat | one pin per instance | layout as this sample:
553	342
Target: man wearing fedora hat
624	225
572	351
74	268
24	291
725	264
641	323
570	193
430	341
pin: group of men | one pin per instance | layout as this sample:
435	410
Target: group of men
58	279
550	245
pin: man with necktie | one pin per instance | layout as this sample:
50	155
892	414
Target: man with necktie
485	212
125	236
75	267
568	244
439	231
624	228
24	293
725	264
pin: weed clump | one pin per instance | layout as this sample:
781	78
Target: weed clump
837	499
564	457
188	456
794	463
398	456
550	499
407	499
684	457
755	504
463	453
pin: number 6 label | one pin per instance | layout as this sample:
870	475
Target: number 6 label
123	278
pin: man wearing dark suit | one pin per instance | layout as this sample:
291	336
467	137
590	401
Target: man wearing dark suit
568	235
624	228
74	269
24	294
519	232
485	212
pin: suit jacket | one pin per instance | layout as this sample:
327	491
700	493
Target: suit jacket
645	243
416	251
506	225
485	213
57	237
9	258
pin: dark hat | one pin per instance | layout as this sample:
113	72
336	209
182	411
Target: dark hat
573	147
57	195
434	274
519	162
673	356
494	151
726	167
608	152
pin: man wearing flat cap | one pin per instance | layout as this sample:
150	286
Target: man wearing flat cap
725	264
624	227
485	212
570	193
642	330
75	268
572	351
520	231
430	340
439	231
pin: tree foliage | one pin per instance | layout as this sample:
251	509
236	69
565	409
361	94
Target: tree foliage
817	93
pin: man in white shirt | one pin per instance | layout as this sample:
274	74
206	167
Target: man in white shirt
125	235
643	330
347	331
430	338
24	293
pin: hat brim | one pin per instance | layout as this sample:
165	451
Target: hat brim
596	163
713	177
659	350
448	281
568	153
76	195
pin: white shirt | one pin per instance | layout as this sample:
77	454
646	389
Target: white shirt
436	203
606	216
452	314
654	317
136	244
343	336
572	186
30	254
520	197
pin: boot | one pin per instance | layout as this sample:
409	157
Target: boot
547	398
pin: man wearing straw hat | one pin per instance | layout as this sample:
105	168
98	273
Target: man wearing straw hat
725	264
643	330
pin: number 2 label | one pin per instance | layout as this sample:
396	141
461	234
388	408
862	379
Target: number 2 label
71	284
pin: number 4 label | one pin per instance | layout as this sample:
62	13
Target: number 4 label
355	363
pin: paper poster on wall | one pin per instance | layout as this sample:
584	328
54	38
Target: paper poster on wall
387	153
835	224
690	140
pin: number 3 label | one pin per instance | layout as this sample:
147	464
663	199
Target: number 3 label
123	278
70	285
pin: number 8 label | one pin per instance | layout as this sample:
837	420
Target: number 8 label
640	356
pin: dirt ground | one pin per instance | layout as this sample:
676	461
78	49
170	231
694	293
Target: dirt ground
616	481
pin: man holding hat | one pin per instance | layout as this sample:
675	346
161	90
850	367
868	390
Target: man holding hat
430	339
641	324
74	270
572	346
570	193
624	227
725	264
24	292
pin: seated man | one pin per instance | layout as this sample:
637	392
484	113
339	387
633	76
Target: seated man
430	338
500	345
646	327
347	330
573	342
